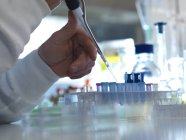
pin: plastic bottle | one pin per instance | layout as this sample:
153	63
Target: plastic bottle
145	63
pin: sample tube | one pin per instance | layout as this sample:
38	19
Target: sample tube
129	83
99	87
120	87
104	87
113	92
121	93
141	83
112	87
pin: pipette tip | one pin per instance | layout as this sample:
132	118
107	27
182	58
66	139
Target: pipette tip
107	64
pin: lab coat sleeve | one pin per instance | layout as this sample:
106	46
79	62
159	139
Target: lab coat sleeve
22	87
22	81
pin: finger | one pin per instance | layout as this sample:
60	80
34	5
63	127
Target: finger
83	69
81	73
61	68
80	63
86	42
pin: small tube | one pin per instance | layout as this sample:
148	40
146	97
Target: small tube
99	87
120	93
141	83
120	87
112	87
125	77
104	87
135	78
148	87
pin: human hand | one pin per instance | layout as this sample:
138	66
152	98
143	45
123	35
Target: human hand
69	51
53	3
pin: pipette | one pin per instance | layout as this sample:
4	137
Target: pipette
74	6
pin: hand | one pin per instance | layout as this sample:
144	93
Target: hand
53	3
69	51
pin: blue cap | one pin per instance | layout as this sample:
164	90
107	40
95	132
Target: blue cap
136	77
143	48
160	26
139	77
130	78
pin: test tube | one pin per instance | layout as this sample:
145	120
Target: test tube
129	83
104	87
141	83
142	87
148	87
113	91
104	92
135	82
125	77
99	87
120	87
112	87
121	93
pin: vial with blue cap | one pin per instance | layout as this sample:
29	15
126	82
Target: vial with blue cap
145	63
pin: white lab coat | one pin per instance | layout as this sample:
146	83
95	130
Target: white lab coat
22	82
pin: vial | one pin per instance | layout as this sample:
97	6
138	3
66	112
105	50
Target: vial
145	63
104	87
98	87
112	87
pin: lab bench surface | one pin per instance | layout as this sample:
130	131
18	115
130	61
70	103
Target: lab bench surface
142	116
161	129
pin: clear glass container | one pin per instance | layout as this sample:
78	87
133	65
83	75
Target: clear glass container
145	64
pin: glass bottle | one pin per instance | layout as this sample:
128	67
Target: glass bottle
145	63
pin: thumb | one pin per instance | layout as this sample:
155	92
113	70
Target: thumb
70	28
72	21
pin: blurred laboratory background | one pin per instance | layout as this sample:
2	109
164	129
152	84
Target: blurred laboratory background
118	26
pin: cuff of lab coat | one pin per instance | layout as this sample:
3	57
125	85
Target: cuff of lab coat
43	68
40	77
